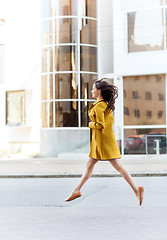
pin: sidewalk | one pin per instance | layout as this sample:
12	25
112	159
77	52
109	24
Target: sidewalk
73	164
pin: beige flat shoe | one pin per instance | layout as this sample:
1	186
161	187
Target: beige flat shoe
74	196
141	191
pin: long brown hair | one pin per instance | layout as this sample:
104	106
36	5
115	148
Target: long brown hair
108	92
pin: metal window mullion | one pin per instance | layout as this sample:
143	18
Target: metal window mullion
97	37
122	128
53	46
164	15
143	126
79	78
166	98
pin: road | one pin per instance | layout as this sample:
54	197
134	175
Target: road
108	209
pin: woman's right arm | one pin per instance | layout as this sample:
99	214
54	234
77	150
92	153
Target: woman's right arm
99	123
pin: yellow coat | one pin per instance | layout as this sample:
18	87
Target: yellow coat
103	145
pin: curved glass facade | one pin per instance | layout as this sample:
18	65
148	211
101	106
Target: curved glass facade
69	61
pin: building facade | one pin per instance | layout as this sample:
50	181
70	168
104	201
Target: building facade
70	44
70	51
140	56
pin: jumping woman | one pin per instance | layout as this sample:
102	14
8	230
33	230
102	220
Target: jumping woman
103	145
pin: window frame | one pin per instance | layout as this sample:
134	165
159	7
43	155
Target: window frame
23	122
126	12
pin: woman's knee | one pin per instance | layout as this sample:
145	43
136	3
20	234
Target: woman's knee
91	162
116	164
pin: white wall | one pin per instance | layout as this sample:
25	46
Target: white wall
105	36
22	63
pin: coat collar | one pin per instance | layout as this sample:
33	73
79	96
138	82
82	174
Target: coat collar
100	100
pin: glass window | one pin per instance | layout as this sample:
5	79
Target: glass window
136	113
138	100
88	59
66	58
161	96
44	113
47	114
66	114
15	108
148	96
66	86
88	31
145	141
87	81
50	114
50	87
65	7
46	9
160	114
124	93
166	22
84	113
66	30
135	94
149	114
88	8
47	60
47	87
145	31
126	111
44	87
47	32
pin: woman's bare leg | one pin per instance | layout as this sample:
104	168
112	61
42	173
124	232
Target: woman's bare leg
125	174
89	169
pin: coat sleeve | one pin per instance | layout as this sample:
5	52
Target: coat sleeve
99	123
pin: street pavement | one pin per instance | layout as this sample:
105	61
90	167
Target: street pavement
73	164
34	209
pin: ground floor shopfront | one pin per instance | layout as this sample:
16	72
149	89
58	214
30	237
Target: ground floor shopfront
140	119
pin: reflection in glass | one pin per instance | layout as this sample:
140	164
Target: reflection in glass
145	31
47	32
47	114
51	59
47	60
88	8
66	58
144	110
51	114
66	86
15	103
44	111
44	87
51	87
46	8
86	85
88	59
65	7
166	21
88	31
66	30
66	114
84	113
145	141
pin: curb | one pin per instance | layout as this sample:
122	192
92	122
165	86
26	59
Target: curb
105	175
